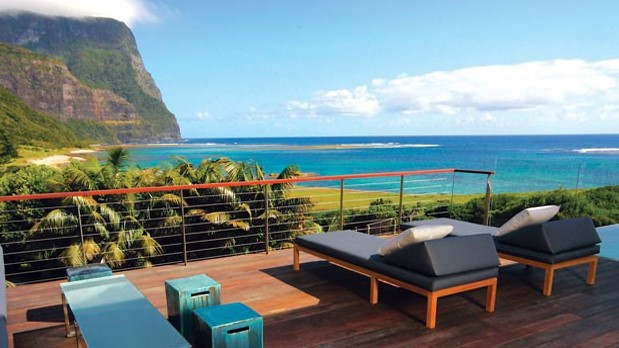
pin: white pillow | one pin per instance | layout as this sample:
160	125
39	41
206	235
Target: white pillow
415	235
527	217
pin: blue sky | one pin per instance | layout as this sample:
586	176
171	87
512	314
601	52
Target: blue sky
259	68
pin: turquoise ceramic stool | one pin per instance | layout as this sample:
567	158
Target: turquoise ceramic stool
228	325
93	270
183	295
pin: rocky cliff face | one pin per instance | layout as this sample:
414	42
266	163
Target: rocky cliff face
47	86
90	69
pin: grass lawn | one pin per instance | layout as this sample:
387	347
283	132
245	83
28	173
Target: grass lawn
325	199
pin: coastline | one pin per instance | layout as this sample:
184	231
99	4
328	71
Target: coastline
64	159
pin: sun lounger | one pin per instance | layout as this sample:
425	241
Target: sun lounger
550	245
553	245
434	268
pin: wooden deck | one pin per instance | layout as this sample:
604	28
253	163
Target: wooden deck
323	305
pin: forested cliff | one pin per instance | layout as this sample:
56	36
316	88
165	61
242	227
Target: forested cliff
87	70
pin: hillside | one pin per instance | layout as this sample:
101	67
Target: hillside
21	125
102	56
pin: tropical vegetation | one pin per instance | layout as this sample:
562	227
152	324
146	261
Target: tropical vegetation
128	230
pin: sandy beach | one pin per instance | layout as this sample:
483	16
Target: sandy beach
61	160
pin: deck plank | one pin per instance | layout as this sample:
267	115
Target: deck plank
324	305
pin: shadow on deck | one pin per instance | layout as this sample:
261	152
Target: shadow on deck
323	305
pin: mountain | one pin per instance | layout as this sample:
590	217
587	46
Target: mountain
24	126
84	69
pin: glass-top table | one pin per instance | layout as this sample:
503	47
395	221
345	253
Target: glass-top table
111	312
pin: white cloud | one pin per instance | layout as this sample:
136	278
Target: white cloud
202	115
127	11
499	87
573	89
358	102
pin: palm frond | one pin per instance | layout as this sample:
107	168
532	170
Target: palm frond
217	217
95	217
57	221
118	158
78	179
91	249
291	171
240	224
101	230
195	212
173	200
184	167
149	246
130	222
273	214
143	178
305	228
245	207
113	255
86	202
73	256
209	171
225	194
123	238
111	215
258	172
173	221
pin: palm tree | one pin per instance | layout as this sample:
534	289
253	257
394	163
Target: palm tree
105	235
103	229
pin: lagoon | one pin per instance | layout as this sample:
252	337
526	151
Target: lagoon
522	163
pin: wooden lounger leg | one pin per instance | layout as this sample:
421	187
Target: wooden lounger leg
373	290
431	310
593	265
295	259
548	279
491	297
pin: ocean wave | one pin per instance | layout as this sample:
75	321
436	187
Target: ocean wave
388	145
599	150
203	144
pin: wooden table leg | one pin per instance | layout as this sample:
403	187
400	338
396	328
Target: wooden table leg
65	311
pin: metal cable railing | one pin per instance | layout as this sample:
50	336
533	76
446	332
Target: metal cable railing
147	226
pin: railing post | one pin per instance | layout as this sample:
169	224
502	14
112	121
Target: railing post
341	204
79	222
183	231
578	176
266	219
453	187
487	202
401	205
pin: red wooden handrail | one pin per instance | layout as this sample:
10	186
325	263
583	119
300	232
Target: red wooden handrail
230	184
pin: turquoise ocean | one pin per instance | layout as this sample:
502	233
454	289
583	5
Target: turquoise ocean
522	163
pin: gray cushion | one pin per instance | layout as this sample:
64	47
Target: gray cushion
461	228
447	256
546	257
362	250
554	237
